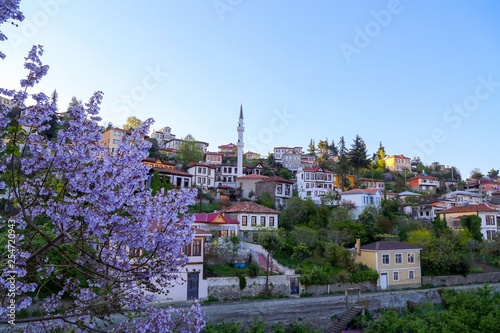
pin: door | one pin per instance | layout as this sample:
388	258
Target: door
294	286
192	285
383	281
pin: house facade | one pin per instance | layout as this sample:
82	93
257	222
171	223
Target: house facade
487	214
428	184
229	150
189	284
279	188
216	223
246	184
398	163
225	175
112	137
251	217
314	183
213	158
203	175
177	143
464	197
362	198
397	263
370	183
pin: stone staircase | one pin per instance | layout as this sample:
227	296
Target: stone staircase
346	318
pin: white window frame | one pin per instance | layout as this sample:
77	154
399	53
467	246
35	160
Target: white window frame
400	256
388	256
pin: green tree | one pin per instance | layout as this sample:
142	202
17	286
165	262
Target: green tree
132	122
493	173
368	219
271	241
358	156
265	199
342	166
473	224
159	182
285	173
189	151
379	158
154	150
311	149
476	174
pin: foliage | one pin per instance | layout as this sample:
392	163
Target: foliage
74	203
253	270
258	326
316	276
189	151
361	273
342	166
301	252
368	219
358	157
242	281
460	311
473	224
265	199
476	174
339	255
285	173
159	183
132	122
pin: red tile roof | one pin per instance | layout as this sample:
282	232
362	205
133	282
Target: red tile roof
469	209
387	246
173	172
250	207
252	176
423	177
276	179
361	191
210	217
316	169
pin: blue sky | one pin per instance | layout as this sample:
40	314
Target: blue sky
422	77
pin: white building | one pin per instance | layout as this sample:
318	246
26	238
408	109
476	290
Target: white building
203	175
314	183
362	198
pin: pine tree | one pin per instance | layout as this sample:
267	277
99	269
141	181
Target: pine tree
342	166
358	157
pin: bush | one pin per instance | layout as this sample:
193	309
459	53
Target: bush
243	281
363	273
315	277
253	270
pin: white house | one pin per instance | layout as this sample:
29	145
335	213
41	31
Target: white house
189	285
203	175
362	198
252	216
314	183
487	214
464	197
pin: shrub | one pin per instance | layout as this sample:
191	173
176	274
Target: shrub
253	270
315	276
243	281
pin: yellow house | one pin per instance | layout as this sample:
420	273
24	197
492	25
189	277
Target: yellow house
351	178
398	163
397	263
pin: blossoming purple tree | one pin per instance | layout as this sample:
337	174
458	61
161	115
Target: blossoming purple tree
77	215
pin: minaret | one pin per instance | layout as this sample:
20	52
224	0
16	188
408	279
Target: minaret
241	129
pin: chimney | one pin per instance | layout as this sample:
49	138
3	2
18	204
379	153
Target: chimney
358	247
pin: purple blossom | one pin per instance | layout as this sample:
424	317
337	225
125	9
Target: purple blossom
74	194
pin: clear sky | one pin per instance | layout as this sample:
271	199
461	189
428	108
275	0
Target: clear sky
422	77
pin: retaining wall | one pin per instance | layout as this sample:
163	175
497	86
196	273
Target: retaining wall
455	280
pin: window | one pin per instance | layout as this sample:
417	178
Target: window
262	221
271	221
411	258
253	221
197	247
385	259
117	133
187	249
398	258
395	276
287	190
411	275
115	141
279	189
244	221
490	219
491	234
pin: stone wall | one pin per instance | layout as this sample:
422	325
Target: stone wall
365	286
456	280
227	288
